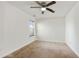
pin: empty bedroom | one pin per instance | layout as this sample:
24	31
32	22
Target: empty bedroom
39	29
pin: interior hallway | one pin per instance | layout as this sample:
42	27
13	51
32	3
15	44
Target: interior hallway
43	49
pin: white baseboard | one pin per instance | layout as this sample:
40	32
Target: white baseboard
52	41
9	52
72	49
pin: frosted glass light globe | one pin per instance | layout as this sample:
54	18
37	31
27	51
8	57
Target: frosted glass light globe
43	9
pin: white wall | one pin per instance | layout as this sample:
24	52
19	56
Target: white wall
16	29
51	29
1	24
72	29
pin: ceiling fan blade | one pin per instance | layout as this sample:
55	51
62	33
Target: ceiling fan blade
51	3
39	3
35	7
50	10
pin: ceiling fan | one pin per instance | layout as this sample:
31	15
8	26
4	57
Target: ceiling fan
45	6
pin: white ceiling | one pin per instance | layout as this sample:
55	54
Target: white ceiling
61	8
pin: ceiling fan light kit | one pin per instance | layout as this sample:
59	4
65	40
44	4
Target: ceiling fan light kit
45	6
43	9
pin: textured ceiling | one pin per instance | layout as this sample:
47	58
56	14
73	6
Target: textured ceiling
61	8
